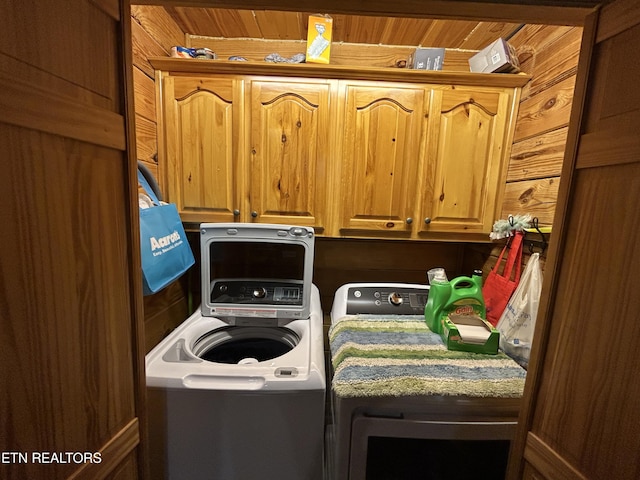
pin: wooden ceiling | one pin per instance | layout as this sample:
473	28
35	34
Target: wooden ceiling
459	24
283	21
373	30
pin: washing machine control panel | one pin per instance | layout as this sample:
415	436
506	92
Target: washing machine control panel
260	292
386	300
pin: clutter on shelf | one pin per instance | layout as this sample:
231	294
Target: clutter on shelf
277	58
319	38
427	59
499	57
184	52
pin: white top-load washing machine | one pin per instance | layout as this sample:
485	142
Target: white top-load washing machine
237	391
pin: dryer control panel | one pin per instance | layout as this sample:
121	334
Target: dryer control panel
383	300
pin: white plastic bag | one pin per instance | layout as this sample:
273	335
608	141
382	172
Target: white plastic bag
518	320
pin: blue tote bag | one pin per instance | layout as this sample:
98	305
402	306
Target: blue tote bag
166	253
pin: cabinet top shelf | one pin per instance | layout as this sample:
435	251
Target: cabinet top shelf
186	65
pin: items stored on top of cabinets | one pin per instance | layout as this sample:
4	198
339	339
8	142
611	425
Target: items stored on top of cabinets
378	153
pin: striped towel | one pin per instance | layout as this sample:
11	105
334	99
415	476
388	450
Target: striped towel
398	356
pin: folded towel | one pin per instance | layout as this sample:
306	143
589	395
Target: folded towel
374	355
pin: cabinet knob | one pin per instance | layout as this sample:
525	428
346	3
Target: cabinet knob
409	221
254	214
236	212
427	220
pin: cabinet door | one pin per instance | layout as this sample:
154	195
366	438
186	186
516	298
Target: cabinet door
71	315
581	413
201	135
381	154
290	148
466	149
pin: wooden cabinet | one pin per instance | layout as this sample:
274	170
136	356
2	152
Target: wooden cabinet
290	148
470	130
379	165
423	161
246	149
200	146
416	159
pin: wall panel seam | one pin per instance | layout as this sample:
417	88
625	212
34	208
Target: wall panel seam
38	109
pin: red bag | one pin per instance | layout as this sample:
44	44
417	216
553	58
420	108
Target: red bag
497	289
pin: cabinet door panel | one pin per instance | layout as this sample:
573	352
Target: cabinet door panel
381	157
467	133
201	147
290	148
347	157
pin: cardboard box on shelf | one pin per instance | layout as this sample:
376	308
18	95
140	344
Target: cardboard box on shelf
499	57
427	59
319	38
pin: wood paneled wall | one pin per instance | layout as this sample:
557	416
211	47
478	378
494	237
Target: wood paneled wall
352	54
340	261
550	55
154	33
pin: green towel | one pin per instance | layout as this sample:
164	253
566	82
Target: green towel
398	355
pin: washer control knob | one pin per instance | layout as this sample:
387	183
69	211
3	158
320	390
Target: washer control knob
395	298
259	292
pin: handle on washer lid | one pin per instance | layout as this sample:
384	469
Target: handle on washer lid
223	382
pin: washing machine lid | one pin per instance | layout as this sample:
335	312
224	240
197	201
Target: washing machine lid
256	270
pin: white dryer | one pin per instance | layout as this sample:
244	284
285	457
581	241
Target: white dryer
407	434
237	391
